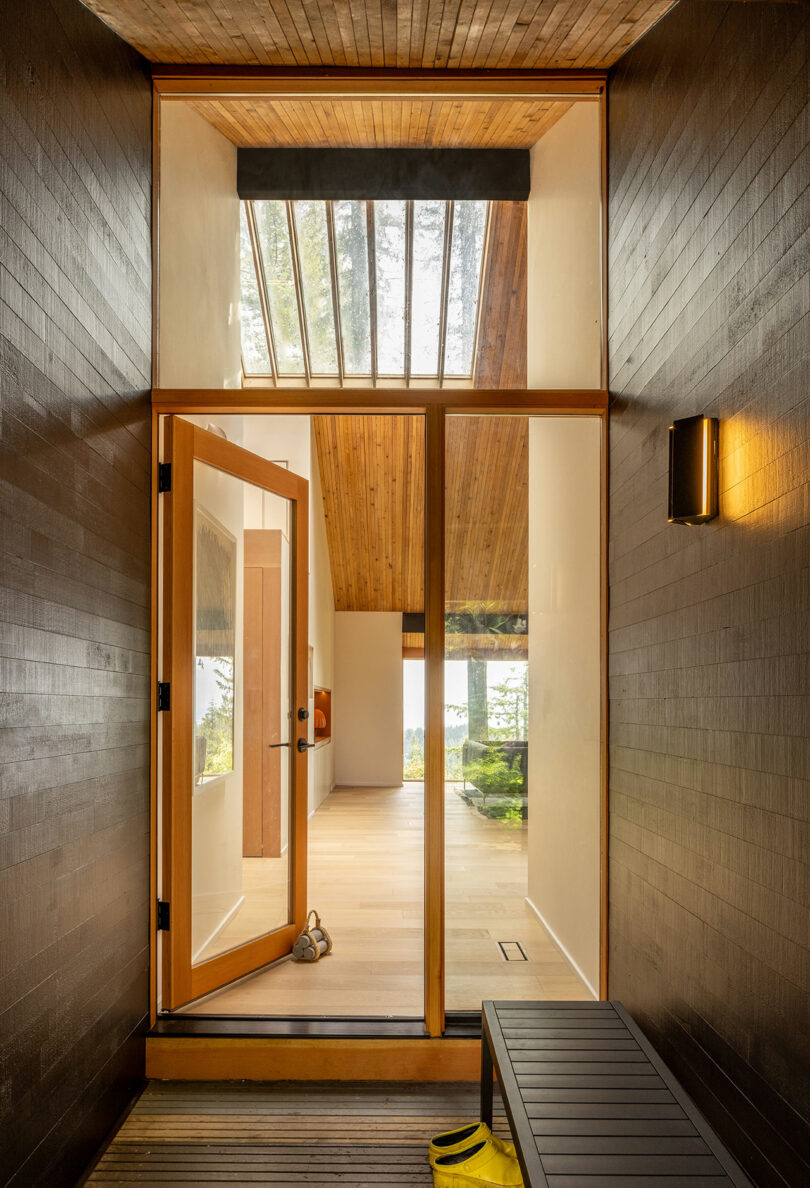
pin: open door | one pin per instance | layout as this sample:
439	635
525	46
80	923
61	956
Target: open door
235	656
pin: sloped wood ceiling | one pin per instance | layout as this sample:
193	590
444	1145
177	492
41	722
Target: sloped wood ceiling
487	512
373	482
431	34
501	359
261	122
372	475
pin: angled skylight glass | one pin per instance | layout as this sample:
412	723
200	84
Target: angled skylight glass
361	292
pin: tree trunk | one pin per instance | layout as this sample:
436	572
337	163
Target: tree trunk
477	699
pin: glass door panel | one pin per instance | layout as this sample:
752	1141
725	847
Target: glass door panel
241	812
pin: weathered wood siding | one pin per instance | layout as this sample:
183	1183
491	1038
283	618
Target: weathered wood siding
75	343
710	697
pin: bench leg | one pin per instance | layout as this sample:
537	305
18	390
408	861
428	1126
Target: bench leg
486	1082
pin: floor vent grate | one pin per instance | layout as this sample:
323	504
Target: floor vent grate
512	951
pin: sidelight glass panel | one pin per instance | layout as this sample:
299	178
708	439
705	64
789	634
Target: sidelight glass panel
469	226
501	798
241	771
255	355
274	241
428	256
351	250
316	282
389	246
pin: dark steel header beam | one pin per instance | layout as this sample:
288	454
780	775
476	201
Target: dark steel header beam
495	175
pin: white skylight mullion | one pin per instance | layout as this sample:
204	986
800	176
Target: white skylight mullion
299	295
448	243
372	287
330	232
408	289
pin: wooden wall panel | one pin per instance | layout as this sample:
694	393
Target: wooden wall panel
432	33
75	347
709	673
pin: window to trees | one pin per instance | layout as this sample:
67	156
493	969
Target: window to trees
361	292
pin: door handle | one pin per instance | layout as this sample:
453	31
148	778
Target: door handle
271	745
303	745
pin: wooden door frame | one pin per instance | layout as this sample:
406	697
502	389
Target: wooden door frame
184	443
435	405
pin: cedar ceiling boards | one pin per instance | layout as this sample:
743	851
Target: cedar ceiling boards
372	475
431	34
261	122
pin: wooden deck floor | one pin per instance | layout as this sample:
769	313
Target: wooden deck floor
366	880
227	1133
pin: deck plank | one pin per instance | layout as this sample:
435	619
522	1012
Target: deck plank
304	1133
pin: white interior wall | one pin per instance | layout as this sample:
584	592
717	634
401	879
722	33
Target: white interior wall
564	262
199	339
565	684
367	702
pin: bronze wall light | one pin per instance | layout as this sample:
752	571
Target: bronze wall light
693	470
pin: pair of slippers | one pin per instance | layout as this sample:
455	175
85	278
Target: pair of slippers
472	1155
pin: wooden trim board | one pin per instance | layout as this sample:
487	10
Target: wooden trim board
229	1059
554	401
183	81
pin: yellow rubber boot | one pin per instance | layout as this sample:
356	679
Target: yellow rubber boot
450	1142
483	1166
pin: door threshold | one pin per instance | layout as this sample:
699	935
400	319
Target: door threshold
270	1027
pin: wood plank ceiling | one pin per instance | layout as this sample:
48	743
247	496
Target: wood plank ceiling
372	476
432	34
262	122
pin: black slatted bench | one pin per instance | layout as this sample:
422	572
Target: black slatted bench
591	1104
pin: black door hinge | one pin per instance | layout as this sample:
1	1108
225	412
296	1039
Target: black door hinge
164	698
163	916
164	477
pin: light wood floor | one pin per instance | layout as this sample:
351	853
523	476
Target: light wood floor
217	1133
366	880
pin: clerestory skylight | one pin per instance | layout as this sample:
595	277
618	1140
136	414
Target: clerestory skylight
361	292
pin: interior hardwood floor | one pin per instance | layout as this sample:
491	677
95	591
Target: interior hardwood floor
317	1133
366	880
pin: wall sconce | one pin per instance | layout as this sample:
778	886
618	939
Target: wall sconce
693	470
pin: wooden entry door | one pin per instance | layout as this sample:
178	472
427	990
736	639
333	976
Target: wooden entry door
234	735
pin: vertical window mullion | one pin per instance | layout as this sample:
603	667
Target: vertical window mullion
408	288
448	246
299	290
372	289
330	232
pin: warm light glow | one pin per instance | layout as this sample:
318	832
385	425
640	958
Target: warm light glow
705	501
